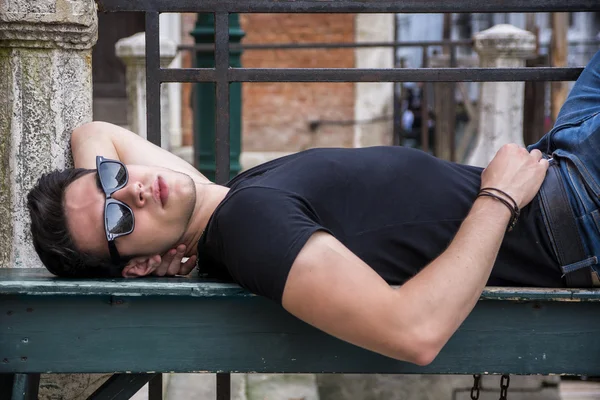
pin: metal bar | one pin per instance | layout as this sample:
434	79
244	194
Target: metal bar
153	78
188	75
6	385
424	106
155	388
121	386
223	386
222	97
349	6
410	75
397	118
330	45
453	64
25	387
373	75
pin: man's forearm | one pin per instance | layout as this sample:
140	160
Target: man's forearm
449	287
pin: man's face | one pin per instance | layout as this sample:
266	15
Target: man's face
158	226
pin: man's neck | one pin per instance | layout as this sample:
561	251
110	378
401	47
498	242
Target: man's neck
208	197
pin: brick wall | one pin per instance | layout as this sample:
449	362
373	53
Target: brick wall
276	116
187	25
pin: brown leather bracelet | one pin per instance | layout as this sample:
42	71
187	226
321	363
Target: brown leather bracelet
514	210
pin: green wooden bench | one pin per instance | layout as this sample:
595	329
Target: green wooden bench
140	327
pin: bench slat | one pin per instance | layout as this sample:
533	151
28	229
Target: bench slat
35	281
56	333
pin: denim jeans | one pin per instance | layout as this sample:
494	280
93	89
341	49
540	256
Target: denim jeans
574	143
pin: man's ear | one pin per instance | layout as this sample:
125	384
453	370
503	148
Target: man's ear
139	266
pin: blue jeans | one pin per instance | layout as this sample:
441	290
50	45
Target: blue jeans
574	143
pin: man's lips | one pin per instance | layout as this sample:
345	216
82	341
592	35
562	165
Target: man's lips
163	189
156	191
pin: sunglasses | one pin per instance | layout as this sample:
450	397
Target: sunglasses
118	217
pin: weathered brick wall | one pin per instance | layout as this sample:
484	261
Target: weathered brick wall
276	116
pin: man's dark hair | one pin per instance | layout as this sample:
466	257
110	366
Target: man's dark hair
51	237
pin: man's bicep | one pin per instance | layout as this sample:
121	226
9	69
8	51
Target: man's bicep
117	143
88	141
332	289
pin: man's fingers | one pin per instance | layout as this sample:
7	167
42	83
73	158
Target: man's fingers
536	154
164	263
154	262
175	265
188	266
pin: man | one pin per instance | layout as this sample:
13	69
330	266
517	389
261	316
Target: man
325	232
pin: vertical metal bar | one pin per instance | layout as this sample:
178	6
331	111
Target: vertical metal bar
397	132
121	387
453	64
152	78
6	385
424	106
223	386
25	387
222	96
155	388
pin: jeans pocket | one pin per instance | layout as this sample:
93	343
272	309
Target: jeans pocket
560	127
596	218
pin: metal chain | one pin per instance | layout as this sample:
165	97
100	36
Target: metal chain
476	386
504	382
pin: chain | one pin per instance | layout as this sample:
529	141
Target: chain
504	382
476	386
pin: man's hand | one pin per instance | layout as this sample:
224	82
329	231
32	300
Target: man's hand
517	172
169	264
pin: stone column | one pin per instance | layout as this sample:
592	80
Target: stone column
501	103
46	91
374	100
132	51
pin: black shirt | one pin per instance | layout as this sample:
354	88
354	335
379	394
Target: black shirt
395	208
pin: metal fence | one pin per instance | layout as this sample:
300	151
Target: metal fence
222	75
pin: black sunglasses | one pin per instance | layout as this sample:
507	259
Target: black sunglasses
118	217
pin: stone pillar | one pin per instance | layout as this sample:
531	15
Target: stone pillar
46	87
374	100
500	103
444	109
132	51
46	92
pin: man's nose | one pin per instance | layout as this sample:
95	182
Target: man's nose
134	194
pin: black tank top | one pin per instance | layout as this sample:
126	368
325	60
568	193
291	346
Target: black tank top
395	208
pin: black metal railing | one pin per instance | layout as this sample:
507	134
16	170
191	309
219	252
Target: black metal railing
222	75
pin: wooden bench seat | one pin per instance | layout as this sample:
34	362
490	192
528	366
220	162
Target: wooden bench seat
191	325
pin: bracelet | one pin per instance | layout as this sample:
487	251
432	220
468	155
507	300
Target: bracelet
514	208
515	205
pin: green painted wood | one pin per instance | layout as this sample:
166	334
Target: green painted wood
35	281
238	333
30	281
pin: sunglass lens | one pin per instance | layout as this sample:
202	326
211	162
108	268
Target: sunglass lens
119	219
112	175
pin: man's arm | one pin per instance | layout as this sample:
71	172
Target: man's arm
112	141
332	289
